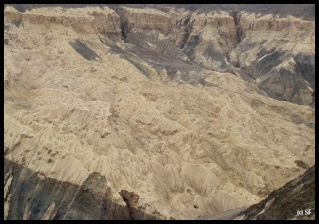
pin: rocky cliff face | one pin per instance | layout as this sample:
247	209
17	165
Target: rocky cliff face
86	21
277	54
151	113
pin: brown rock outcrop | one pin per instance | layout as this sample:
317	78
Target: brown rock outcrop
145	19
84	21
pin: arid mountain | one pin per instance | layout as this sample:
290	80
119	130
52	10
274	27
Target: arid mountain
120	112
304	11
294	201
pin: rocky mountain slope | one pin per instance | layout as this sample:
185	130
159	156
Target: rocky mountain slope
294	201
141	113
276	54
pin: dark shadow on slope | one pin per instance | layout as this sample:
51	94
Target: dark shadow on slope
125	55
84	50
305	66
32	192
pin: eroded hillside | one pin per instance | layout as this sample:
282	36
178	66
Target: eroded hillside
147	113
294	201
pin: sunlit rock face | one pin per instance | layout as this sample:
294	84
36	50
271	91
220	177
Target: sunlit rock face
119	112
